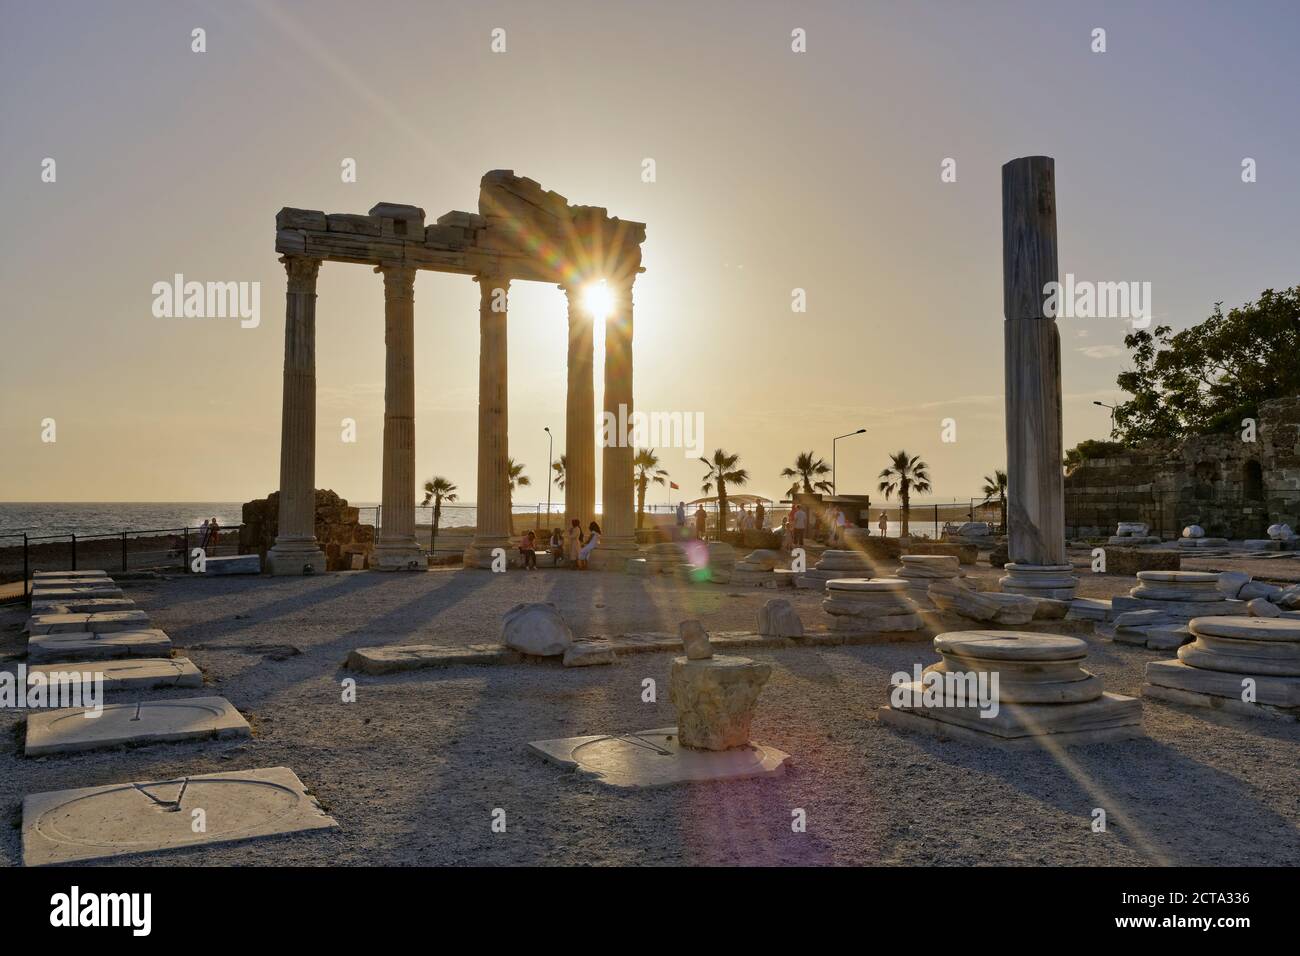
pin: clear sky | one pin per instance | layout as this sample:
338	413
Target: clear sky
775	170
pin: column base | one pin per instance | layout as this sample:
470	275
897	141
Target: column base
400	555
294	557
479	552
1040	580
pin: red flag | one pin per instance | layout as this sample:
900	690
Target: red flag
674	486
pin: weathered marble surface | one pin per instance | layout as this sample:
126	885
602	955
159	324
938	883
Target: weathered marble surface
715	699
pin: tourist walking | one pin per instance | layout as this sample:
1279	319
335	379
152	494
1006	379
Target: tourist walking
800	519
593	542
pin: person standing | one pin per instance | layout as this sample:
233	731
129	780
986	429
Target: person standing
760	517
204	532
701	521
800	517
839	526
573	542
214	536
883	524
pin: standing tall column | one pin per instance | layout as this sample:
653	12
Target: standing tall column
618	539
1038	564
492	527
579	416
396	549
296	550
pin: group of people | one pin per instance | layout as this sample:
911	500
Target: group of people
794	527
745	519
209	534
568	546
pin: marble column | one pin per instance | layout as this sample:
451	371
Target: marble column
1038	563
396	549
296	549
579	416
618	508
493	528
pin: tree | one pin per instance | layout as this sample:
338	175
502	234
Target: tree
808	466
561	469
903	476
515	478
1209	377
437	489
646	465
997	485
722	472
1090	448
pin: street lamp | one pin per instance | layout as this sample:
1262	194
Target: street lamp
1112	416
550	472
834	487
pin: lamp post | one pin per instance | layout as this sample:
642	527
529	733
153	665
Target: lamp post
550	472
1112	416
835	489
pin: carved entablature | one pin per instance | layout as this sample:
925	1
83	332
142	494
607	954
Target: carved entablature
521	231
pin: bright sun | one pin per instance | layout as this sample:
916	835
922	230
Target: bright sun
598	300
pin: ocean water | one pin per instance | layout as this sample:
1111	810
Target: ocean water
37	518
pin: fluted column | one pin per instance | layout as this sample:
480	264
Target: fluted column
618	508
296	548
1039	564
396	549
580	416
492	527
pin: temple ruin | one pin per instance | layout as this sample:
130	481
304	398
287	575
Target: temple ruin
521	232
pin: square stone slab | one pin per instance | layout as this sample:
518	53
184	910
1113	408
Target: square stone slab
409	657
1274	691
89	573
922	722
97	823
43	593
88	605
139	723
133	673
44	648
654	758
96	622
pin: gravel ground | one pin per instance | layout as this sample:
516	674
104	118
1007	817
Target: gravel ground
414	768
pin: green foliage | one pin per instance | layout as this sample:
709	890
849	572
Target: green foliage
1209	377
1091	448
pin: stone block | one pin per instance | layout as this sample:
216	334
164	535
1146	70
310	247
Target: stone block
536	629
406	657
1278	691
138	723
778	618
589	653
82	605
291	218
351	224
45	648
119	820
233	564
133	674
97	622
1133	560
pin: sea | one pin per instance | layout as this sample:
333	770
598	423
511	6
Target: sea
38	518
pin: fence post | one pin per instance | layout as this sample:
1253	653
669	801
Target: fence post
123	550
185	551
27	592
74	552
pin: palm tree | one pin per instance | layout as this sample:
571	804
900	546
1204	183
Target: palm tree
646	464
561	469
808	466
997	485
722	472
515	478
904	475
437	489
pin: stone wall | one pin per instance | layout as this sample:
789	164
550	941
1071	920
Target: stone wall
1231	487
338	530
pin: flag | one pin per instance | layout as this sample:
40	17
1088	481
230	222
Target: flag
674	486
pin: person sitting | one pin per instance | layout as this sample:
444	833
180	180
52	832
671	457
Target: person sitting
556	547
528	550
593	542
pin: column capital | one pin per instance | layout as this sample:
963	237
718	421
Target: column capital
301	272
399	281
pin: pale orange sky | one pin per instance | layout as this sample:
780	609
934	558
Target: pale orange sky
775	170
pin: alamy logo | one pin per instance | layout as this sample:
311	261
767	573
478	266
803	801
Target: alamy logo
208	300
1098	300
945	689
683	430
56	689
103	909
